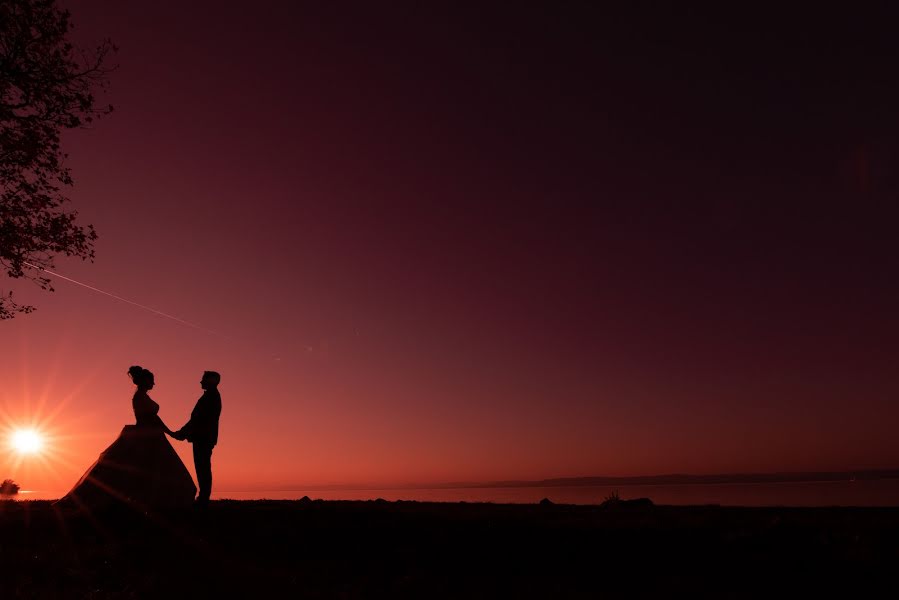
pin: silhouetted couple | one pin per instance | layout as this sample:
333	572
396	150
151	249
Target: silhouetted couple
141	468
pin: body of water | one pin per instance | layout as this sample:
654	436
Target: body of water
883	492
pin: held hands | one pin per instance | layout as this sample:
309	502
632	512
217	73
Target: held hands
178	435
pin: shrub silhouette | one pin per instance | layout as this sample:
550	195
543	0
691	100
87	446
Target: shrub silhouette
612	499
9	487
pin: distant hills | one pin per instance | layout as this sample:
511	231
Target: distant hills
685	479
669	479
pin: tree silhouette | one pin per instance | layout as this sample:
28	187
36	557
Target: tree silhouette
9	487
47	85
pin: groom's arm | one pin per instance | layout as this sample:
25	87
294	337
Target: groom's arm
185	432
196	415
203	413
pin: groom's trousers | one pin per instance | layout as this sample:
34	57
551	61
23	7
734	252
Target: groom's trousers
203	466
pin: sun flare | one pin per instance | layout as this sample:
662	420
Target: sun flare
27	441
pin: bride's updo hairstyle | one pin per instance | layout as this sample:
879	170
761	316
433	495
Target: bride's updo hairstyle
140	376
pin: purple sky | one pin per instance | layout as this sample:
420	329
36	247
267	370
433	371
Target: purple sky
444	243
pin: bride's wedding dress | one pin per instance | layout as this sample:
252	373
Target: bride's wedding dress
140	468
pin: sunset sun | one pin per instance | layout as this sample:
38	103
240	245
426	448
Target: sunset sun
27	441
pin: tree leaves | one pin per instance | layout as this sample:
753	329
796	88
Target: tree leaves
46	85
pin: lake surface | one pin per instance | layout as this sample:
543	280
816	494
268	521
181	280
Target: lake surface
883	492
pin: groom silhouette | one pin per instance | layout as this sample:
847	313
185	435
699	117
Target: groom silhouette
202	430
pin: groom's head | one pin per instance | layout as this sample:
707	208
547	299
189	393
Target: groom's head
210	380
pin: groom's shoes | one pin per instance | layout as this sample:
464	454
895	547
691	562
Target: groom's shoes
201	504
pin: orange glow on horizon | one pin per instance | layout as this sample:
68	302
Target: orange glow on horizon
40	450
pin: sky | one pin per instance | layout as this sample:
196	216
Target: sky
471	243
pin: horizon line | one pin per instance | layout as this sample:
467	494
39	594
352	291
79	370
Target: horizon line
560	481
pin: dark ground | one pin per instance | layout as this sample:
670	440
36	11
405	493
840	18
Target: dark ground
317	549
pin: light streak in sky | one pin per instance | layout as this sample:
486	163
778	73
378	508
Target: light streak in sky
133	303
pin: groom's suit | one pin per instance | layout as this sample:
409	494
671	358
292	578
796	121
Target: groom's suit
202	431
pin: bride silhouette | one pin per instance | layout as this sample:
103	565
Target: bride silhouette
140	468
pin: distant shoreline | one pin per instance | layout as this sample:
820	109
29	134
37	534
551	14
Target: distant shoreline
670	479
558	483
